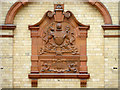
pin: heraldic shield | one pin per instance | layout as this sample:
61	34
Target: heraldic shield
59	47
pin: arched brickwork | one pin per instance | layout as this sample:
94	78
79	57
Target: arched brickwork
16	6
103	10
13	11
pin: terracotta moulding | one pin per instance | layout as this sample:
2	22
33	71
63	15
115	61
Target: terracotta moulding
7	36
55	53
20	3
7	27
10	17
16	6
111	27
13	11
111	36
103	10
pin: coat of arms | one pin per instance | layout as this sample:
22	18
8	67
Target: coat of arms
58	39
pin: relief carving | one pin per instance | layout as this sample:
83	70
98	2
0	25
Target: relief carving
59	66
67	14
59	41
50	14
59	47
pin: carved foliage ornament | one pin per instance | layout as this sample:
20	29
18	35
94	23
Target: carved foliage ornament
58	46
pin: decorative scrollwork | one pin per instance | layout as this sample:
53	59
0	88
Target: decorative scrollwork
71	68
67	14
50	14
45	67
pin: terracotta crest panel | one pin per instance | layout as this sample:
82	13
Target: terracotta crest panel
59	46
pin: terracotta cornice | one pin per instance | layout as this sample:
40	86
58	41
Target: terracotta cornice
84	28
44	76
7	36
7	27
111	36
111	27
33	28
